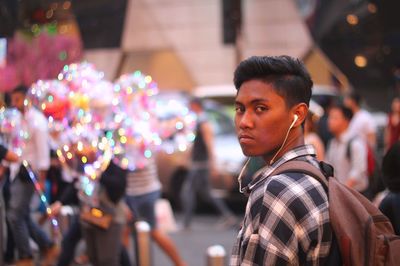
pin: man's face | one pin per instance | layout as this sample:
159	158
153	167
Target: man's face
262	119
337	123
17	100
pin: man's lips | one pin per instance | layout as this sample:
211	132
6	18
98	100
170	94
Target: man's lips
245	138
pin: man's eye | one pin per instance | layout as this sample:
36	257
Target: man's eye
261	108
239	109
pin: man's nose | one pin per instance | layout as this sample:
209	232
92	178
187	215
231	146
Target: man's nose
246	120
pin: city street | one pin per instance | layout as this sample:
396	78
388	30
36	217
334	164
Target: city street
193	244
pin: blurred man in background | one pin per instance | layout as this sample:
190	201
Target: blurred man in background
201	168
346	153
36	152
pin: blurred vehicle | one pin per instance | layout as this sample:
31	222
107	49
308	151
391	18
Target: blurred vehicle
173	166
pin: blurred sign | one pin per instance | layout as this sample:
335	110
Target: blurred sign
3	51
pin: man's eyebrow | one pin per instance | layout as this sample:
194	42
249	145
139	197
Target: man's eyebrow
258	100
254	101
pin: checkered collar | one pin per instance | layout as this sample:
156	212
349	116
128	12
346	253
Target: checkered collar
264	173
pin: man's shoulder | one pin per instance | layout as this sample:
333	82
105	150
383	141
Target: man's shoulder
363	116
289	195
295	184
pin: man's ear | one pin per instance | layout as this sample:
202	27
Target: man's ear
300	110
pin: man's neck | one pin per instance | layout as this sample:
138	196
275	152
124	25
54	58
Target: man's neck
339	135
356	110
291	143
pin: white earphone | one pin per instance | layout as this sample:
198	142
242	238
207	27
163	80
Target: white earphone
295	118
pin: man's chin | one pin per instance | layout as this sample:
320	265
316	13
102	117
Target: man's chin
249	152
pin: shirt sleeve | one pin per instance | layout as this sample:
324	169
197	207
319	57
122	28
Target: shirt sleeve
291	224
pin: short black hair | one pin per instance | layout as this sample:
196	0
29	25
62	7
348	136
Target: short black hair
20	89
288	76
346	111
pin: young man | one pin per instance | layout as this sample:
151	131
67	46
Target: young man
349	162
37	153
287	219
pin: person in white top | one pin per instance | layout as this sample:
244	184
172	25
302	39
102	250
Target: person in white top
362	124
346	153
37	153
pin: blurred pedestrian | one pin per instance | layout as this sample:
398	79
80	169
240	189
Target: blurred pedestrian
36	152
142	192
390	205
392	131
346	153
73	234
362	124
202	167
273	95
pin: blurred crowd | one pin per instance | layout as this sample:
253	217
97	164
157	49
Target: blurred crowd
347	137
105	202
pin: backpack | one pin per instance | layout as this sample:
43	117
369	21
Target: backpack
375	182
364	235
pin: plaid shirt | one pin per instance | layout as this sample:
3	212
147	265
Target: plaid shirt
286	219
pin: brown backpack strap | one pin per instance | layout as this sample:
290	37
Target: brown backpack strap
296	166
